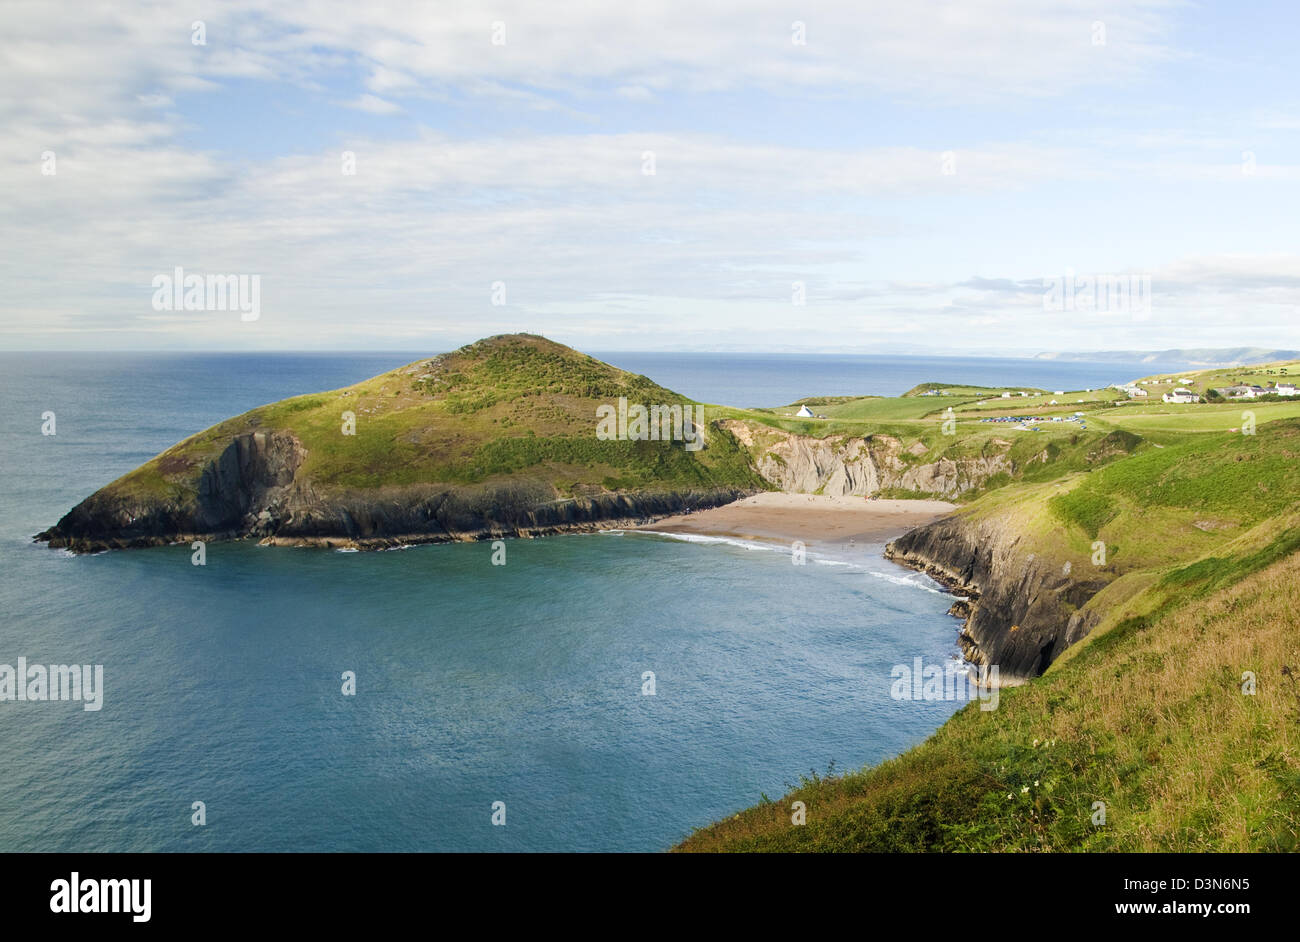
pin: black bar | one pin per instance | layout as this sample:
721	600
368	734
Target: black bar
301	890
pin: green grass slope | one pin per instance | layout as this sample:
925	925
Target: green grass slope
1147	714
1154	724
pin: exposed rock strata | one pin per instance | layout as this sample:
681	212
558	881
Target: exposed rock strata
842	465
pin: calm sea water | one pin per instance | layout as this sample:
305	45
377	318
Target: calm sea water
475	683
778	379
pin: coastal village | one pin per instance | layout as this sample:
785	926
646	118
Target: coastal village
1214	395
1249	383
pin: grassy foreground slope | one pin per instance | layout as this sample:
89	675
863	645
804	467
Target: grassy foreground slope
1147	714
1153	723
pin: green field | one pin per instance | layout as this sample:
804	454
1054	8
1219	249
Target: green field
1196	417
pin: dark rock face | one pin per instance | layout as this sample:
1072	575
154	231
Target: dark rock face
429	514
252	489
1022	610
253	470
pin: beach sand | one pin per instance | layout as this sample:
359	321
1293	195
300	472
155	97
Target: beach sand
814	519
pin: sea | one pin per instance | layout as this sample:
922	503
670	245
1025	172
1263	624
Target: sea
598	692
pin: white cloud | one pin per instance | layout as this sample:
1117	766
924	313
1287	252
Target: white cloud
588	245
372	104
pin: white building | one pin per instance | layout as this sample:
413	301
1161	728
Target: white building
804	413
1242	392
1180	395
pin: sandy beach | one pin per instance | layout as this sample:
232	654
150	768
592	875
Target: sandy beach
814	519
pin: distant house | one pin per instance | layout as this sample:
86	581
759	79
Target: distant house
1006	395
805	413
1287	389
1242	392
1180	395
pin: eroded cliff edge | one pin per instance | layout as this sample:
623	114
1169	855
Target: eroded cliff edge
1022	608
253	490
861	465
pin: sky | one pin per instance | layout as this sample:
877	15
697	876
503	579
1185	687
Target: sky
941	178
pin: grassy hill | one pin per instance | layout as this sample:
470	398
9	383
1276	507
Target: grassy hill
1147	714
507	405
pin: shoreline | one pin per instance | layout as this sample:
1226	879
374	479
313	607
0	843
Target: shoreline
776	517
814	519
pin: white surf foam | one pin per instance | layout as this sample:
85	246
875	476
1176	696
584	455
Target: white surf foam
750	545
703	538
908	581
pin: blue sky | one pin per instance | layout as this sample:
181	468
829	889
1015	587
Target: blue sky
923	170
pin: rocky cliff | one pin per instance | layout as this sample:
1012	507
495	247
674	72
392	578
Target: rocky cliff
253	489
1022	608
842	465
